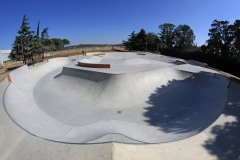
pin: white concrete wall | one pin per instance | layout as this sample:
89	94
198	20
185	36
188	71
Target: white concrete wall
4	56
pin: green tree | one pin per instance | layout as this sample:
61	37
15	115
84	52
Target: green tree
39	44
184	37
222	47
141	40
221	37
167	35
25	39
46	42
65	42
21	49
44	33
16	49
27	45
137	41
36	45
131	42
237	38
58	43
152	42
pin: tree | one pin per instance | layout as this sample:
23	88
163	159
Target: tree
46	42
184	36
25	39
138	41
22	44
141	40
167	35
65	42
37	34
27	45
152	42
58	43
237	38
131	42
44	34
16	49
222	47
221	37
36	44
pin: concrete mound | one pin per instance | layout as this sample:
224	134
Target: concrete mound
139	99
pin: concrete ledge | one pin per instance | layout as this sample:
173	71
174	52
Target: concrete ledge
94	65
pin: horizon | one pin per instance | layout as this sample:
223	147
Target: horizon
110	22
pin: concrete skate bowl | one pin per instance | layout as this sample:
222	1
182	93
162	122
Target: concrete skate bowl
153	105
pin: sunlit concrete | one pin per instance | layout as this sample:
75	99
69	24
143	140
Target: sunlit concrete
143	98
217	136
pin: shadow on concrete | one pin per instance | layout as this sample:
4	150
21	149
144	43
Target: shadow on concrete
168	103
182	106
227	135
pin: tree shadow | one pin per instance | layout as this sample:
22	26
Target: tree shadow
227	135
185	106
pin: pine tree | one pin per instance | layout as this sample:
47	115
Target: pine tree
21	49
36	46
29	46
46	43
16	50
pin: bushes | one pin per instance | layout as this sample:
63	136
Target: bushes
226	64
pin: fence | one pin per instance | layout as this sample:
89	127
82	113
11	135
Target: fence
65	53
79	51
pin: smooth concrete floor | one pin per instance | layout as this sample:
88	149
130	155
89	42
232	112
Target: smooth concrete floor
157	105
219	141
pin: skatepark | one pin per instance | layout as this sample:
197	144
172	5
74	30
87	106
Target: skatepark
119	105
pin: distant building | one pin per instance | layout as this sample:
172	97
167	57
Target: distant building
4	56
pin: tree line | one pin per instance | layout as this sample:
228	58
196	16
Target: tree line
170	36
29	44
221	50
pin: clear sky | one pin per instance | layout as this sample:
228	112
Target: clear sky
111	21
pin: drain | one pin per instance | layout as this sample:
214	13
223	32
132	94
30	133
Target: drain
119	112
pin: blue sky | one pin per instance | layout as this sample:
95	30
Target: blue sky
111	21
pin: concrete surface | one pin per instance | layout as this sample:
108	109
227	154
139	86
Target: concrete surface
133	98
218	141
210	144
